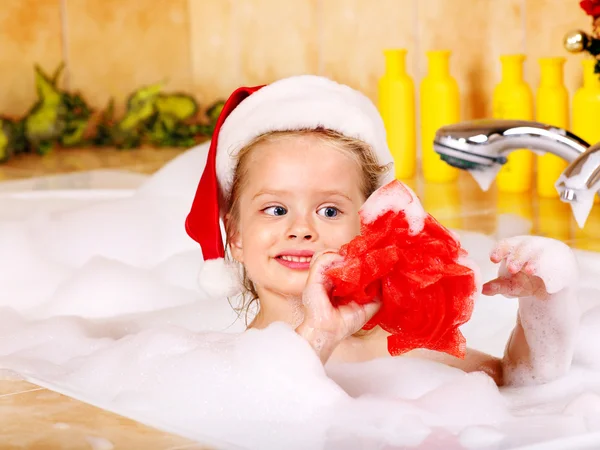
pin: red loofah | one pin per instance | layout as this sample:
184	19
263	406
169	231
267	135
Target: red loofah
413	263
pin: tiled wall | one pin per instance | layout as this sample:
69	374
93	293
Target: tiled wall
209	47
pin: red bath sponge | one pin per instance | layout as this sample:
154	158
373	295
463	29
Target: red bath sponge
415	266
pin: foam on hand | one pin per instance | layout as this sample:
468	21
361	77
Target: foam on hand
549	312
102	303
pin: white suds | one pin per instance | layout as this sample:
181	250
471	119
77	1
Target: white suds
101	302
485	177
395	196
583	206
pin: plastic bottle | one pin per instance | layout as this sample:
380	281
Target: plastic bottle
586	105
552	108
440	105
397	108
513	99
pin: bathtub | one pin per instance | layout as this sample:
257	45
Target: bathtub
116	239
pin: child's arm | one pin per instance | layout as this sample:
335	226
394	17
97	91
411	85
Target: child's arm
325	326
542	272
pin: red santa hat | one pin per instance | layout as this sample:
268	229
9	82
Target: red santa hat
295	103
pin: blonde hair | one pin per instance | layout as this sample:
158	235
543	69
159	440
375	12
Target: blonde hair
362	153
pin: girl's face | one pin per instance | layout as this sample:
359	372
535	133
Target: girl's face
301	196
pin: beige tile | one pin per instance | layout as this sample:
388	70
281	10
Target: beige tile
215	45
30	32
45	419
117	46
505	21
277	39
12	387
188	447
476	32
547	23
354	34
143	160
506	35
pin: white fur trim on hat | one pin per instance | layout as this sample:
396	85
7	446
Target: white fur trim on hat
218	278
300	102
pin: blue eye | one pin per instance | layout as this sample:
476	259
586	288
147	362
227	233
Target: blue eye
275	210
330	212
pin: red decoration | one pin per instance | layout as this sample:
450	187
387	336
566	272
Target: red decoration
591	7
426	292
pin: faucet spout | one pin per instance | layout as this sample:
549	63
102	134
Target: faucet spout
584	172
481	146
579	183
484	143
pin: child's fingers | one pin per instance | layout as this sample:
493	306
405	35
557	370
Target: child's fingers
319	263
315	296
502	249
371	309
508	287
356	316
491	288
506	247
519	285
530	268
522	257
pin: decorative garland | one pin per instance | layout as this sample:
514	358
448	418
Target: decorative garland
579	41
63	119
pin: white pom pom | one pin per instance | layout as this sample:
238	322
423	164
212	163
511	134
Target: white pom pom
219	279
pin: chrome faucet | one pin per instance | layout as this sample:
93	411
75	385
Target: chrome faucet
583	174
484	143
579	183
481	146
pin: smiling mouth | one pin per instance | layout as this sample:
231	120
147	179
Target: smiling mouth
298	259
301	263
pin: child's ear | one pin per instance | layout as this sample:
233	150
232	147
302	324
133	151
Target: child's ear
234	238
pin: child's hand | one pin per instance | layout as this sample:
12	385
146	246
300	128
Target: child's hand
542	272
324	325
531	266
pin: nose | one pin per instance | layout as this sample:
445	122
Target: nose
302	229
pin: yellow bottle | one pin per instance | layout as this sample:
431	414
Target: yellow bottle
552	108
586	105
440	105
513	99
397	108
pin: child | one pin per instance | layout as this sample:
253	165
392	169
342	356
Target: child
289	167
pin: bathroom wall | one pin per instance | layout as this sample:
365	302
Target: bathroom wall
209	47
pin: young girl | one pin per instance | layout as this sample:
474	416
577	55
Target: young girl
289	167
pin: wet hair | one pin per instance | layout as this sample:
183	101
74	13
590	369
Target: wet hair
362	153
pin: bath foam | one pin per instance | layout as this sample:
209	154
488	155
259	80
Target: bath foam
484	177
394	197
186	368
